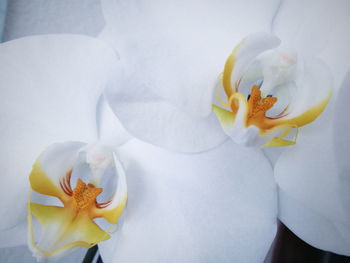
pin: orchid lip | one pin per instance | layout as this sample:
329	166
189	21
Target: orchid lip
84	195
66	227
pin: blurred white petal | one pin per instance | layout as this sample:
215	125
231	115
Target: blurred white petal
15	236
110	130
322	30
154	120
312	176
217	206
314	180
50	86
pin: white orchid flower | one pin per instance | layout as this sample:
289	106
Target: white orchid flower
247	118
171	56
181	207
170	66
163	64
50	88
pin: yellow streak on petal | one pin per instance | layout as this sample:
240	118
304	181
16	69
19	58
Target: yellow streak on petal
42	184
280	140
306	117
276	142
111	215
225	117
228	69
75	230
218	97
239	105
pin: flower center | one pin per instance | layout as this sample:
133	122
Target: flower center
85	195
257	108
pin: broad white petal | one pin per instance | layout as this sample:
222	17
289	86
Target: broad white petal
321	29
314	180
169	51
110	130
217	206
15	236
50	86
152	119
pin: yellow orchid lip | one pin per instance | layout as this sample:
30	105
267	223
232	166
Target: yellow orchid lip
72	225
244	118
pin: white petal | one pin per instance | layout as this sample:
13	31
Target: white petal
218	206
58	159
341	133
50	86
154	120
115	189
15	236
110	130
168	51
249	49
321	30
279	68
314	180
313	82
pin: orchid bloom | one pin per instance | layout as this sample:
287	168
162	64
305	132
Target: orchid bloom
170	71
51	88
172	197
180	207
247	119
78	190
71	226
218	205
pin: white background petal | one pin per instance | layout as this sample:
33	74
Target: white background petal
321	30
52	17
314	180
313	203
218	206
21	253
152	119
110	130
49	90
176	50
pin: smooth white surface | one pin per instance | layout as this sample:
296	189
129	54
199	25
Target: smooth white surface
110	130
312	175
22	254
37	17
49	90
218	206
321	30
171	56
